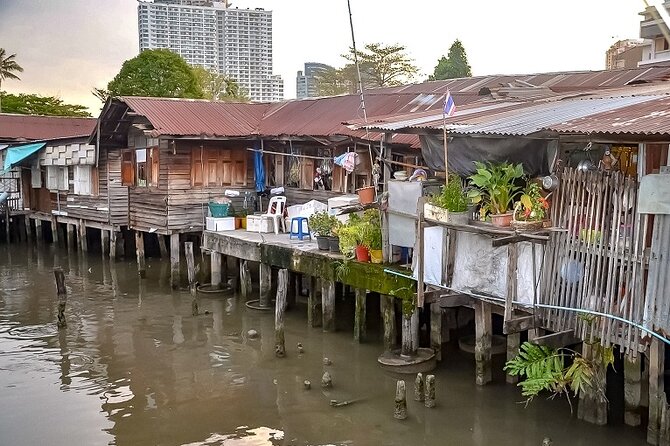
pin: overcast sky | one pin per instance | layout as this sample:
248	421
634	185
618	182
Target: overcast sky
67	47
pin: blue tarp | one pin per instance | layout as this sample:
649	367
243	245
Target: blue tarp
16	154
259	169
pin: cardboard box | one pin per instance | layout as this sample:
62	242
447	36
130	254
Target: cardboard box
220	224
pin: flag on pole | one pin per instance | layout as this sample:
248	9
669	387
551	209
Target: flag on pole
449	105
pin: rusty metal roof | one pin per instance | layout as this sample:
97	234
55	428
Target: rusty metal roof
14	127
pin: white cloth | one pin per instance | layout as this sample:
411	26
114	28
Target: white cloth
434	239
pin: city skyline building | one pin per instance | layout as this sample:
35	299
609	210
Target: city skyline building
305	81
231	41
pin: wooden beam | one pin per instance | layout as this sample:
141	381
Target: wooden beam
519	324
558	339
455	300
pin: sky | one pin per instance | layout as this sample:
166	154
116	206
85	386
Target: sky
68	47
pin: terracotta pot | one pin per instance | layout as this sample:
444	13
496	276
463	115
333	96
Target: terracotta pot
502	220
238	222
322	242
362	254
376	256
366	195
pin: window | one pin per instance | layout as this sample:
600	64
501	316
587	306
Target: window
128	168
84	180
219	167
57	178
140	167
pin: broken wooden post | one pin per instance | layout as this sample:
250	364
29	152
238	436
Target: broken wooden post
632	375
54	231
104	241
656	390
62	297
419	387
410	333
82	236
482	342
388	313
265	279
174	260
313	302
359	318
400	412
326	380
215	267
162	246
436	329
112	244
139	249
592	406
513	344
430	391
280	308
245	279
328	304
190	267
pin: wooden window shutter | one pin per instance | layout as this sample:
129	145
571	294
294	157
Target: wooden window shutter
240	168
213	176
278	169
155	166
196	168
227	168
128	168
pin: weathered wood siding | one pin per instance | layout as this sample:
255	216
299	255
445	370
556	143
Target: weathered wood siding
118	194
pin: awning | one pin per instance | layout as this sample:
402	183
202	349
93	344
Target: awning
16	154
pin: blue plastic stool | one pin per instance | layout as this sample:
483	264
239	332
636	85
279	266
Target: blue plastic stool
298	232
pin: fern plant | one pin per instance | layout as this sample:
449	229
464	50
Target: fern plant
547	369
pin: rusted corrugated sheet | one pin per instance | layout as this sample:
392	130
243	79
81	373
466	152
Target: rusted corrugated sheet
32	128
192	117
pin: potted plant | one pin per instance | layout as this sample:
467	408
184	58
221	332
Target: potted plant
372	234
530	210
352	237
241	219
495	189
334	240
322	224
451	205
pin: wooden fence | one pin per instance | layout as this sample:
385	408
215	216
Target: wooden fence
595	260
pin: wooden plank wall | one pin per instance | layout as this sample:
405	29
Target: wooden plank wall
118	194
88	207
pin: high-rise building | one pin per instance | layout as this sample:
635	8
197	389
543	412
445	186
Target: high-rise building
305	82
624	54
231	41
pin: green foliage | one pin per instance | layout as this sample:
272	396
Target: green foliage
532	206
156	73
495	186
32	104
453	196
8	66
333	81
546	369
322	223
454	66
219	87
341	269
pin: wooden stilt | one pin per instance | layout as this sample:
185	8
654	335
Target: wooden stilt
632	373
328	304
69	230
513	344
54	230
410	333
388	313
139	250
215	266
174	260
162	246
656	390
112	244
292	292
592	406
82	236
62	297
400	412
190	267
28	226
104	241
8	227
482	342
280	308
313	302
39	235
265	280
360	327
245	279
436	329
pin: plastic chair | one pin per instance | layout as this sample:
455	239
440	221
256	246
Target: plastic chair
296	229
275	211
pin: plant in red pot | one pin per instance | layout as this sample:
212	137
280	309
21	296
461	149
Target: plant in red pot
495	189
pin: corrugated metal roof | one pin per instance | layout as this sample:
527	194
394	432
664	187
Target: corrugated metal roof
193	117
15	127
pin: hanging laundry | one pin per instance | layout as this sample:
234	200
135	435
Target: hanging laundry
347	161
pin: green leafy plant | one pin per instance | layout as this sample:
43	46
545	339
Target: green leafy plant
323	223
532	206
559	371
453	196
495	186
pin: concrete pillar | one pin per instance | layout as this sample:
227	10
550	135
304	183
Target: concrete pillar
632	390
174	260
513	345
215	265
388	314
436	329
313	302
265	279
482	342
328	304
410	333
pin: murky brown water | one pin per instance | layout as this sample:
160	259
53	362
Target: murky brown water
134	367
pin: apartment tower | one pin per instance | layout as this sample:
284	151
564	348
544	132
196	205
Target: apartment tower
231	41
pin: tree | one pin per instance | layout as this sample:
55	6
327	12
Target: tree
156	73
383	66
219	87
8	66
454	66
333	81
32	104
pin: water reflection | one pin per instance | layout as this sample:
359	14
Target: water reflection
134	367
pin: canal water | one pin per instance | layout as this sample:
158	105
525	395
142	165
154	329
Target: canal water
133	367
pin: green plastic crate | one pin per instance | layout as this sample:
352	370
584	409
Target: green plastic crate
218	209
